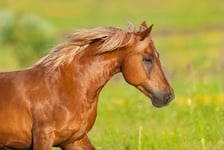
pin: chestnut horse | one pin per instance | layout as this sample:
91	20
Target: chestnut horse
54	102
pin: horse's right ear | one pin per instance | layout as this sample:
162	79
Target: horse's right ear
144	24
145	33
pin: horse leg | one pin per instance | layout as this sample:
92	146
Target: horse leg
82	144
42	139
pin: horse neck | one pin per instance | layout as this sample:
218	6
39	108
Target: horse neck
94	72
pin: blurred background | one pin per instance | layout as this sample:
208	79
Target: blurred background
189	36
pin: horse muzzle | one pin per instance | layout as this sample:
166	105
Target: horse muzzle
162	99
158	98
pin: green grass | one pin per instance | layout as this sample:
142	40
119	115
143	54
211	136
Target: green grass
170	14
188	122
8	59
184	124
189	36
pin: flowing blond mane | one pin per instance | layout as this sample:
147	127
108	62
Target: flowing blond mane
112	38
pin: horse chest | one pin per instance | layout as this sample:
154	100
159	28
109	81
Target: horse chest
90	118
77	125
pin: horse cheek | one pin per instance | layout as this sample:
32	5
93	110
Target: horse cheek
133	72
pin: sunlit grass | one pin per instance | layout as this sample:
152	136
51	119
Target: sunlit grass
171	14
8	59
188	122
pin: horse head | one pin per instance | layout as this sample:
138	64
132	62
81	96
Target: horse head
142	68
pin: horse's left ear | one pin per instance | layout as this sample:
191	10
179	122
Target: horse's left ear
145	33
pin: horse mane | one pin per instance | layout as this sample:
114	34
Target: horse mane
112	38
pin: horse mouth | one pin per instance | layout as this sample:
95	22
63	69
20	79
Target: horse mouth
158	100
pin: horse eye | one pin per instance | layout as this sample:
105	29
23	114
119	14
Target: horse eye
148	60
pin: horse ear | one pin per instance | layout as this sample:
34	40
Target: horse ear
145	33
144	24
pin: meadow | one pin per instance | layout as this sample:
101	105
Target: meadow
189	37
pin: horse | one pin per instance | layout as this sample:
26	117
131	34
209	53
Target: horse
54	102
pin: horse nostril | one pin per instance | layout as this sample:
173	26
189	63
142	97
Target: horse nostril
168	97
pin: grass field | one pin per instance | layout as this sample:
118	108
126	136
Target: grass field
189	36
188	123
